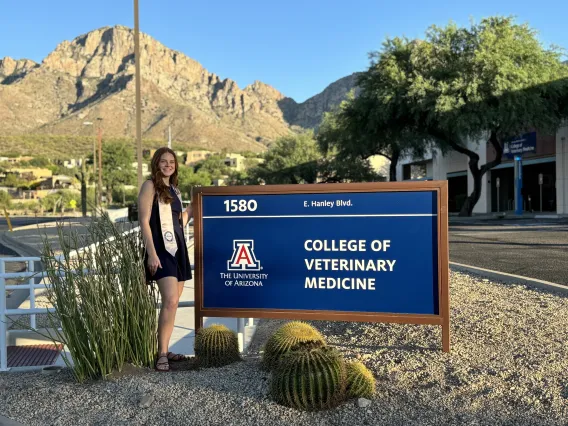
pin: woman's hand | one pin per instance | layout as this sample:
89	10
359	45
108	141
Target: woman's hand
153	263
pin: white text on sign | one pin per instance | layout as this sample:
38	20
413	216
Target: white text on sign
360	265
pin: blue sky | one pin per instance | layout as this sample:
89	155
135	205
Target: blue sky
298	47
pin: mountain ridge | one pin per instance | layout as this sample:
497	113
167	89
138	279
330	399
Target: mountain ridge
91	77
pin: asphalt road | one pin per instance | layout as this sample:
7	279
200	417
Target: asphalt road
531	249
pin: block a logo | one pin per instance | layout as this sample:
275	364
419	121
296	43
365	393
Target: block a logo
243	258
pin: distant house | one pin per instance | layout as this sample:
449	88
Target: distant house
235	161
15	160
240	162
194	157
70	164
55	182
30	174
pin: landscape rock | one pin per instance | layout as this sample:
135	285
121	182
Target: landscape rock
146	401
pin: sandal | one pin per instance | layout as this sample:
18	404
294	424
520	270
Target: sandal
162	366
175	357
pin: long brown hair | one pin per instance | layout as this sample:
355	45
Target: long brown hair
158	178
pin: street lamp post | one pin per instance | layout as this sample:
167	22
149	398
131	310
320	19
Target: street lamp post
138	95
100	191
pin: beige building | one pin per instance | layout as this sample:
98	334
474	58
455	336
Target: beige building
194	157
235	161
15	160
544	173
31	173
240	162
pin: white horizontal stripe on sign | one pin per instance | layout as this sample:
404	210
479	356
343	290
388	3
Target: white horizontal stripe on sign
323	215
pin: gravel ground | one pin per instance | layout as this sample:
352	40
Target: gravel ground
508	366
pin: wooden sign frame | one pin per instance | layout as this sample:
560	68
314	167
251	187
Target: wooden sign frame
440	187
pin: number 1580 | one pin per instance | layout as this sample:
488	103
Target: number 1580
240	205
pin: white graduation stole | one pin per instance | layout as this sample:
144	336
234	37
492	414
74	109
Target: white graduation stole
168	235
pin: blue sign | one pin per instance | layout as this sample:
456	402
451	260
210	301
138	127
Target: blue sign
332	251
520	145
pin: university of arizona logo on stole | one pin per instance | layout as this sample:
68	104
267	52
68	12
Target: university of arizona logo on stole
243	258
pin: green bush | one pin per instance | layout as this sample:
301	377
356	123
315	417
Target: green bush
124	197
309	378
216	346
360	381
106	310
286	339
28	206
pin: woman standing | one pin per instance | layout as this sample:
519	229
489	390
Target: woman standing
162	220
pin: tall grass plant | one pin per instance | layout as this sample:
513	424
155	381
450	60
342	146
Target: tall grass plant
106	311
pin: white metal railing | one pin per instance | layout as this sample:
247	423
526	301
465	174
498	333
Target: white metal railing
31	275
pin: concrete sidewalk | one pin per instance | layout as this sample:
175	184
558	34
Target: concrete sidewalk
183	335
507	217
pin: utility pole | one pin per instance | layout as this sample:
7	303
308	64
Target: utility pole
100	189
83	175
88	123
138	95
95	174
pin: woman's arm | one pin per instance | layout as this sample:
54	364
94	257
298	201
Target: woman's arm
145	199
187	214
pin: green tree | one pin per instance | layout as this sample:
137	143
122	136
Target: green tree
488	82
355	131
291	159
239	177
39	162
188	178
117	170
333	169
299	159
214	166
13	181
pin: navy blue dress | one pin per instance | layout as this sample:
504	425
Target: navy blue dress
178	266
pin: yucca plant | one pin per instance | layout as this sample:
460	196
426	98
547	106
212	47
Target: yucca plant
288	337
216	346
310	378
360	381
106	311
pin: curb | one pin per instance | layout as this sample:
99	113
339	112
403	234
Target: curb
5	421
511	278
21	249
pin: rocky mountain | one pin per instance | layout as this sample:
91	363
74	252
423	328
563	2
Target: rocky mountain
92	77
309	113
11	70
